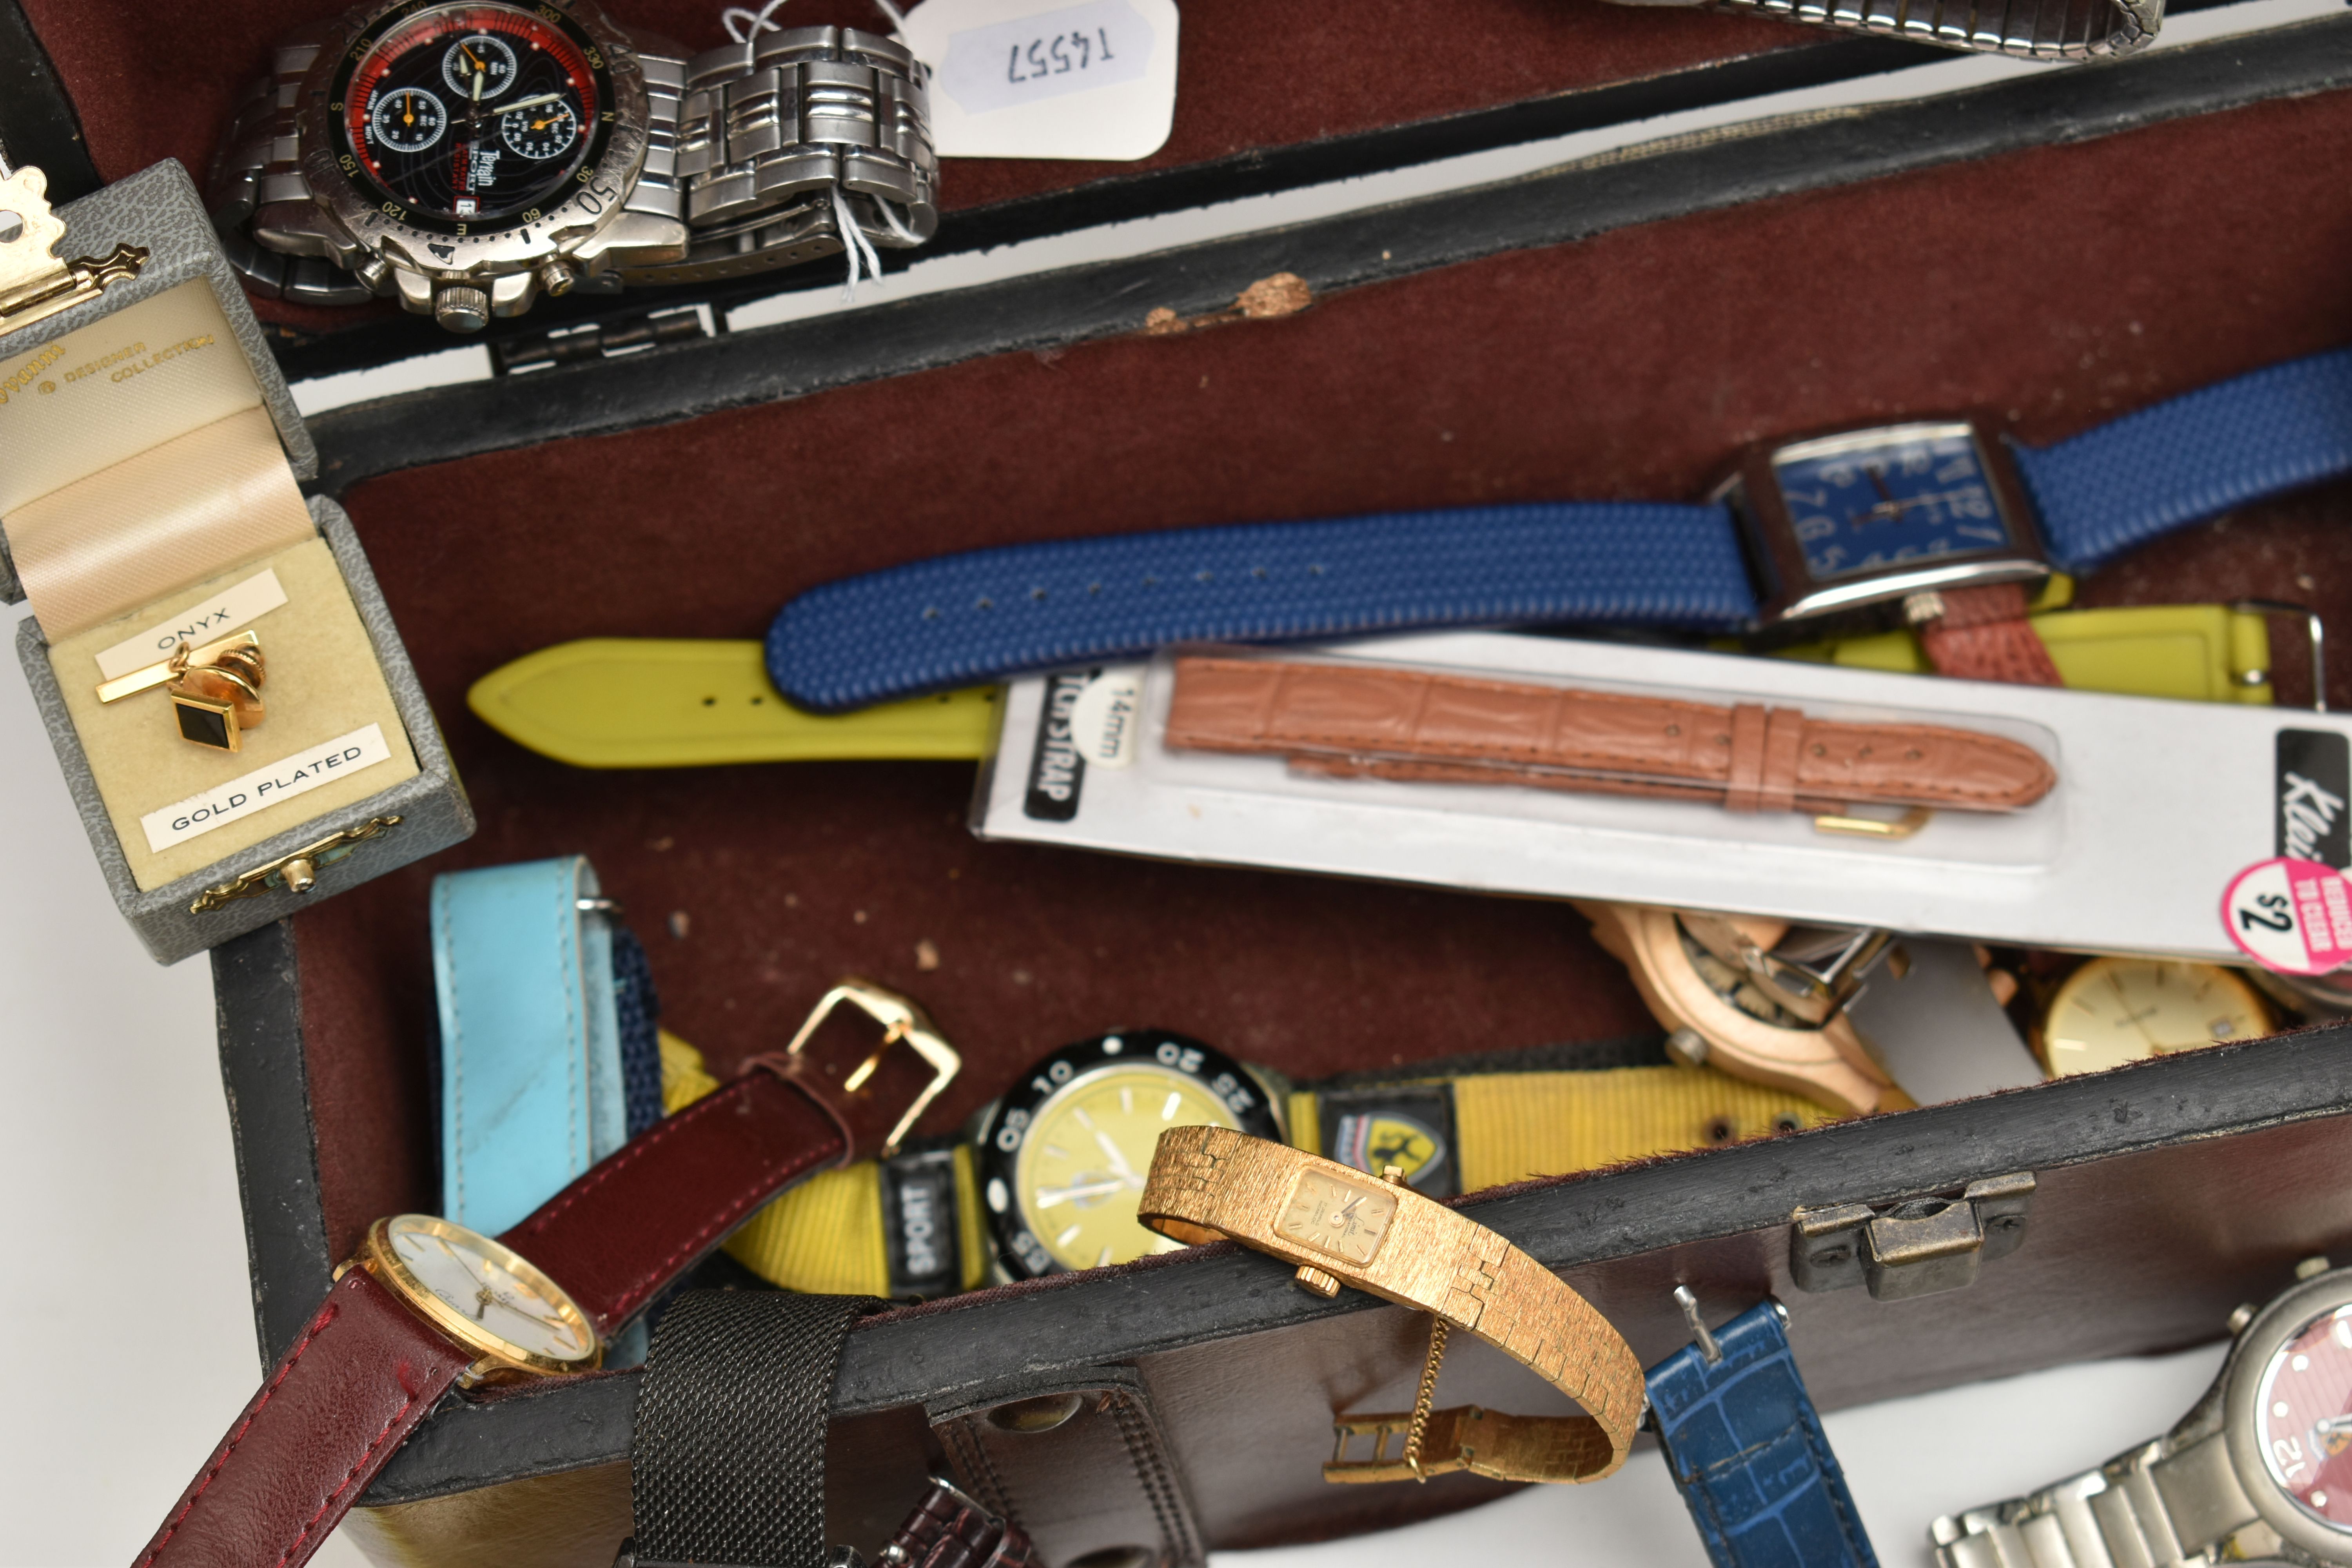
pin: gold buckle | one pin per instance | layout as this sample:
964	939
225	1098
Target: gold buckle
901	1021
1903	827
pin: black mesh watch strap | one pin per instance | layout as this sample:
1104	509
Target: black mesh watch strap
727	1460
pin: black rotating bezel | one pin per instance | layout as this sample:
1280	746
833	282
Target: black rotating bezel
1008	1121
389	202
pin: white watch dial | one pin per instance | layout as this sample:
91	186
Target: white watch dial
471	1278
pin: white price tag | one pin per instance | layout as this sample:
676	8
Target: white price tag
1025	78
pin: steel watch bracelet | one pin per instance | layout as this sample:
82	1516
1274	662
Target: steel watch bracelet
2163	1502
745	144
2031	29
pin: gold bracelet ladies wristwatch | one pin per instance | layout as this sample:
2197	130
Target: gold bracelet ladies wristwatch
1340	1227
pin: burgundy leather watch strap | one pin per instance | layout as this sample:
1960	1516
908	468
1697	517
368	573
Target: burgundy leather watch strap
948	1529
339	1404
643	1216
1982	633
333	1410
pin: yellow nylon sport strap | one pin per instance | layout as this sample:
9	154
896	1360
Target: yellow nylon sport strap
1510	1126
826	1236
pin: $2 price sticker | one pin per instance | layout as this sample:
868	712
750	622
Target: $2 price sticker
2290	915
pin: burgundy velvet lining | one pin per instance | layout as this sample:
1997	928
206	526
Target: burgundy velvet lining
2053	288
1251	74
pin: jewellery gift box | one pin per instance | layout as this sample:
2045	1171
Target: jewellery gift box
150	454
2047	249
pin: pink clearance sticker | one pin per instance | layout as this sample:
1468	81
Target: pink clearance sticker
2290	915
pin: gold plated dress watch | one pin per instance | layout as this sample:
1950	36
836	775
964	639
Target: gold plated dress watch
1338	1226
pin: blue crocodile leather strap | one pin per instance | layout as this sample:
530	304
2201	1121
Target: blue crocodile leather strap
1748	1453
2145	474
530	1059
958	620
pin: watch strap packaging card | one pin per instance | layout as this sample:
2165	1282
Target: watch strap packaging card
150	454
1561	768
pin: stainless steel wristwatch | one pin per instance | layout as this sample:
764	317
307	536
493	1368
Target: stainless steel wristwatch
464	157
2032	29
2259	1470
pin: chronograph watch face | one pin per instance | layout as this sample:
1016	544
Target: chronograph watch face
471	142
1063	1155
1872	515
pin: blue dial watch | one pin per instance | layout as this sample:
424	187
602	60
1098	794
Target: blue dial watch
1804	530
1747	1449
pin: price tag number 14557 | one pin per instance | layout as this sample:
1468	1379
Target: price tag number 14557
1058	55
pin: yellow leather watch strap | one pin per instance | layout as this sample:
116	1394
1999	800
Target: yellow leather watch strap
1510	1126
824	1236
2197	653
650	702
653	702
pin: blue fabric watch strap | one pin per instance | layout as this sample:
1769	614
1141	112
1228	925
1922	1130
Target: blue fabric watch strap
531	1057
1748	1453
2196	456
958	620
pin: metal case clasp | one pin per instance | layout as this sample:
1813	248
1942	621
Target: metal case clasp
35	283
1917	1247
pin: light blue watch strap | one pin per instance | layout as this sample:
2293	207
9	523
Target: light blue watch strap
957	620
2190	457
530	1053
1748	1453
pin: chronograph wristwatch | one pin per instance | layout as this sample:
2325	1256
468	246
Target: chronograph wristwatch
2260	1468
465	157
1942	524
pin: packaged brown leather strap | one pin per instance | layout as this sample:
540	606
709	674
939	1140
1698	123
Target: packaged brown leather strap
1407	724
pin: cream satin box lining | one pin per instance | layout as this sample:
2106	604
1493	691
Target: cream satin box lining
2158	806
144	479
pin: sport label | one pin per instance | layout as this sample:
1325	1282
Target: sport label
2290	915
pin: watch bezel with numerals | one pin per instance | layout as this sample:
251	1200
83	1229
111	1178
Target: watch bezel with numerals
1004	1127
1789	592
445	251
2276	1326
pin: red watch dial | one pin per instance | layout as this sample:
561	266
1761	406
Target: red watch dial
2305	1418
471	117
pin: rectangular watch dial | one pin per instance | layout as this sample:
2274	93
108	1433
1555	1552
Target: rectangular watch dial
1339	1218
1883	501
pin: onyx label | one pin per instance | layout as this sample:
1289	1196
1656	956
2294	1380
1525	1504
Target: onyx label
1057	770
2314	780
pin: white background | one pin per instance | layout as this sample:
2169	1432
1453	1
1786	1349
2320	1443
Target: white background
125	1307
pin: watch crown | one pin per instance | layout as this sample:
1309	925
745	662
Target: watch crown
461	308
2239	1316
2311	1267
557	276
1313	1280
